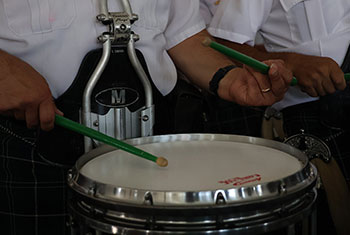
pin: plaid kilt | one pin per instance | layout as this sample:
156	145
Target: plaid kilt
226	117
33	190
327	119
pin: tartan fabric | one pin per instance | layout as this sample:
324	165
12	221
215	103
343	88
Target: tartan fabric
33	190
230	118
327	119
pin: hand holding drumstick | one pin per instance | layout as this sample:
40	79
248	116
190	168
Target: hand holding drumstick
69	124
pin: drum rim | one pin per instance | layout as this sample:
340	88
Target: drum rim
269	222
272	190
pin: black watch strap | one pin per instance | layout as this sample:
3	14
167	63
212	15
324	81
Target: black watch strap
220	74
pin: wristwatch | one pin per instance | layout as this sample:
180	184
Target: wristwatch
220	74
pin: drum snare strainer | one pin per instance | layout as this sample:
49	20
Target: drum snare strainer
217	183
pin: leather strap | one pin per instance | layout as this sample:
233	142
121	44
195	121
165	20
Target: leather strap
220	74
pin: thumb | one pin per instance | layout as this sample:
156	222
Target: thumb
273	72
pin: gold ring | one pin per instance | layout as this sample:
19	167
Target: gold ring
266	90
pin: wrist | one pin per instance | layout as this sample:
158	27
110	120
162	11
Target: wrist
218	76
290	60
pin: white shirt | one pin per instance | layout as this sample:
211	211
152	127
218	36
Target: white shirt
54	36
207	9
314	27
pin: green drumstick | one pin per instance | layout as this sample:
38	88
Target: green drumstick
347	76
76	127
247	60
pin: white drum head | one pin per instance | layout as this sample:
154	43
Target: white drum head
203	169
193	166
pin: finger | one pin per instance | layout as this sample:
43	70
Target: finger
31	116
278	84
262	81
319	89
259	96
337	77
328	86
47	110
59	112
310	91
280	67
19	114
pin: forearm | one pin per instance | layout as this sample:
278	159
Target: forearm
258	53
197	62
4	63
240	85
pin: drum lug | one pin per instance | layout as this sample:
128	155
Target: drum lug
92	190
220	199
148	199
282	189
70	175
151	220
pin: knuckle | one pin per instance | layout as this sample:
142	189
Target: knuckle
339	83
32	123
330	60
314	76
329	88
322	93
47	120
306	84
27	100
280	62
46	125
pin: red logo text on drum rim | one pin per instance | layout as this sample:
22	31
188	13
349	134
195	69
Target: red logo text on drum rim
237	181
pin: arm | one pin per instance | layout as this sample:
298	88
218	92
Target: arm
316	75
24	93
241	85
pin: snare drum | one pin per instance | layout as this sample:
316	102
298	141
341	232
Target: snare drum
217	184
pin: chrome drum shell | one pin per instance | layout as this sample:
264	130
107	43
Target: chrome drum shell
249	209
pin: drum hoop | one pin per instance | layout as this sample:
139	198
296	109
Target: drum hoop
216	225
271	190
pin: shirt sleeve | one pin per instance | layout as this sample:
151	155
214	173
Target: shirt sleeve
205	11
239	20
184	21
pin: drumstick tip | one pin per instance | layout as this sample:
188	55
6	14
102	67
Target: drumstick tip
162	162
206	42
